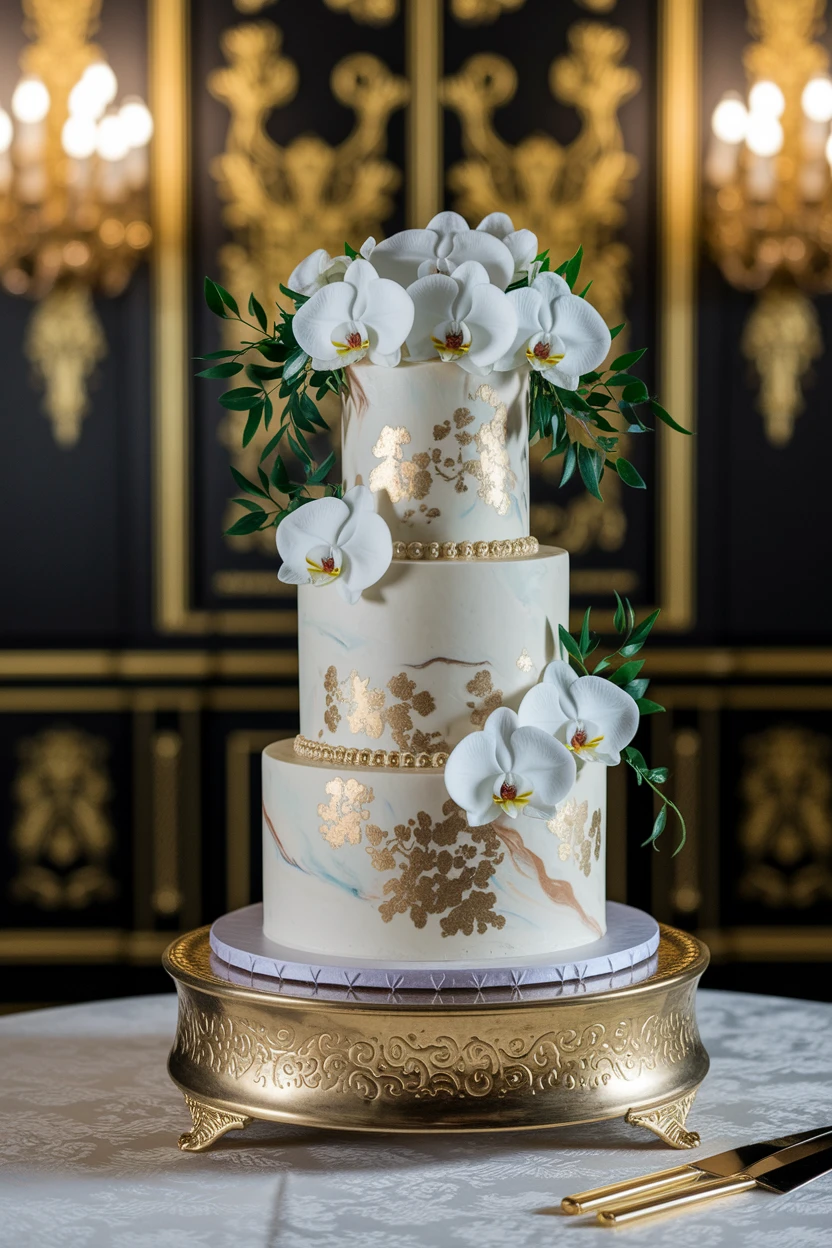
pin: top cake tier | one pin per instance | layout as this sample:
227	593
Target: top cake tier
445	452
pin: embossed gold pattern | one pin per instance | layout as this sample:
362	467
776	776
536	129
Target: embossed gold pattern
785	832
519	548
337	1061
668	1122
568	195
345	812
283	201
62	836
569	826
209	1126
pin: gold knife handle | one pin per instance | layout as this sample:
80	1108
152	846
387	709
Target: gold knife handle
696	1193
597	1197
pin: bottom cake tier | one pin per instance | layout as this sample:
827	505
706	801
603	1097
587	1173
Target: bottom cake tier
380	863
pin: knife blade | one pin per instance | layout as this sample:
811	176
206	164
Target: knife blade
719	1166
783	1171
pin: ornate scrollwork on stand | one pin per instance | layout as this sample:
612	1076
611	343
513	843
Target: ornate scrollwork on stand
283	201
209	1125
668	1121
568	194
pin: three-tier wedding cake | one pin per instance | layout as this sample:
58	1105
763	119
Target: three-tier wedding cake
445	800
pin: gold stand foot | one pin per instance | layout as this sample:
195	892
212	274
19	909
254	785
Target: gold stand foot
668	1121
209	1125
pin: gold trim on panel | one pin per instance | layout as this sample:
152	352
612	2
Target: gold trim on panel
743	698
425	191
166	780
686	745
24	945
147	664
678	204
768	944
239	747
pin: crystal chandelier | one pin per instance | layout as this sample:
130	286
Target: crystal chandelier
73	202
769	199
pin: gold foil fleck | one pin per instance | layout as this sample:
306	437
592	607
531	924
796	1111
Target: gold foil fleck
401	478
482	686
345	812
462	417
496	477
569	826
524	661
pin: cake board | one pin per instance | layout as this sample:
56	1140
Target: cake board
251	1047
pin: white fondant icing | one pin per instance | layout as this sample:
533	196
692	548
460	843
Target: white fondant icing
378	863
444	451
461	632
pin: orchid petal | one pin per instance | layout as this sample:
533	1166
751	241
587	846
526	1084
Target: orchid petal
527	303
445	223
469	776
561	675
388	315
500	726
492	322
367	551
551	286
315	524
398	257
315	320
542	708
486	250
433	299
600	702
546	765
497	223
583	332
523	247
307	277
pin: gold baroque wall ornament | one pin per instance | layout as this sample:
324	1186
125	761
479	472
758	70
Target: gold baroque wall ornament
568	194
368	12
781	338
479	12
62	837
283	201
64	343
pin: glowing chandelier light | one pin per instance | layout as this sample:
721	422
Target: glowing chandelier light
768	198
73	198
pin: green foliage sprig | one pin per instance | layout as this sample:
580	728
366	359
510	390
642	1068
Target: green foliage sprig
622	669
288	375
579	423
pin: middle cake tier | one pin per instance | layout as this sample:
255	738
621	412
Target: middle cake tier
427	653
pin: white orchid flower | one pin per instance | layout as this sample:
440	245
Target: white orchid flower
363	315
558	333
521	243
508	769
339	541
592	717
441	248
461	318
320	268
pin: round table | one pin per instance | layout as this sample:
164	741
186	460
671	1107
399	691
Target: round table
90	1121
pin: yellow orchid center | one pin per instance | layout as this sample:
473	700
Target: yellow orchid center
581	742
325	568
509	797
454	344
354	343
541	353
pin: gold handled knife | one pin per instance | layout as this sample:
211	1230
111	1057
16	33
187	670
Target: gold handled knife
782	1172
719	1166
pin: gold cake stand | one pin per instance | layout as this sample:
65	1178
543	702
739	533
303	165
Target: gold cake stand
490	1061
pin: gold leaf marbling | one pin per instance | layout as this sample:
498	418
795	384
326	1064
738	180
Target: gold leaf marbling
482	687
368	710
401	478
569	826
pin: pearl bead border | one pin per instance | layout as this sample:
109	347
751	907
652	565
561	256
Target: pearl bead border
351	756
516	549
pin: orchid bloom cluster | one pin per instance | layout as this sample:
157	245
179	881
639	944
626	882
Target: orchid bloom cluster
527	762
476	298
336	541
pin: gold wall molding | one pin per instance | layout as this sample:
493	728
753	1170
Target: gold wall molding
368	12
89	945
768	944
425	191
781	338
568	195
281	202
62	838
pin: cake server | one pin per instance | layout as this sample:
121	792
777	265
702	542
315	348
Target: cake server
719	1166
782	1172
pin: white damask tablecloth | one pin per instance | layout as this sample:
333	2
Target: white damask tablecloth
89	1120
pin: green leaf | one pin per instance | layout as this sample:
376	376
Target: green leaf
253	423
302	453
658	775
249	505
585	291
263	372
589	466
627	672
257	310
271	444
646	707
597	400
621	379
350	251
636	392
213	297
229	300
221	370
628	474
628	359
322	471
216	355
617	330
636	688
658	827
584	642
658	410
570	461
279	476
635	758
295	364
245	484
569	644
572	268
618	618
249	523
641	633
297	298
241	399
